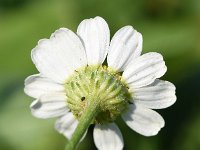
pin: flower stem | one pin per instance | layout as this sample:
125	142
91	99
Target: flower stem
84	122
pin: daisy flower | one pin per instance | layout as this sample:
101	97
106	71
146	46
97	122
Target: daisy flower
84	78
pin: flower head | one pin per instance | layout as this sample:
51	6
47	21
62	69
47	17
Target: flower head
74	73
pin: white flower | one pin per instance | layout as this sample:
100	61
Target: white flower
59	57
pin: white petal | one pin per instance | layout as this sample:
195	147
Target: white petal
125	46
49	106
144	70
66	125
36	86
143	120
108	137
56	58
95	35
159	94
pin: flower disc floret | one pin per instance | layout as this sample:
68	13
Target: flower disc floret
100	85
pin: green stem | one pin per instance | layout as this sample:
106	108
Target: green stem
84	122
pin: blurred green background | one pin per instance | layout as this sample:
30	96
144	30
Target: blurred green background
171	27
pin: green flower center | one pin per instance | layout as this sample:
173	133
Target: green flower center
100	85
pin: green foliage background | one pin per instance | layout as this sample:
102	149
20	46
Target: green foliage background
171	27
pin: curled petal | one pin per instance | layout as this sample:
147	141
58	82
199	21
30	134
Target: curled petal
57	58
143	120
95	35
108	137
144	70
36	86
160	94
49	106
125	46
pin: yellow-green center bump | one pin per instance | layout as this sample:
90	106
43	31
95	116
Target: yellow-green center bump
100	84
